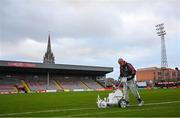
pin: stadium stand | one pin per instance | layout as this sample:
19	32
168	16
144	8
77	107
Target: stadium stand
27	77
92	84
70	83
40	83
7	89
9	85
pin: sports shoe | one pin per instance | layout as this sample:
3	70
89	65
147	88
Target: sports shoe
140	102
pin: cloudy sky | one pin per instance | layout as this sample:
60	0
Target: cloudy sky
90	32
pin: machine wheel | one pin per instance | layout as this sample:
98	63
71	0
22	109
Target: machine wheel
122	103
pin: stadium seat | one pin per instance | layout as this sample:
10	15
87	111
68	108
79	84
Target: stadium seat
40	83
92	84
70	83
9	85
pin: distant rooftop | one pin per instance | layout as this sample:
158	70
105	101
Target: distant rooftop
149	68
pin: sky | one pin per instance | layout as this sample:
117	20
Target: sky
90	32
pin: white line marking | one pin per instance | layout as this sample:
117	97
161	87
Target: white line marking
162	103
148	104
111	112
55	110
157	103
76	109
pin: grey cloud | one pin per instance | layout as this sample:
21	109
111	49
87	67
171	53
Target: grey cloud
22	19
89	31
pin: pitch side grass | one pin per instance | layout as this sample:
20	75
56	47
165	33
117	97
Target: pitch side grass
159	102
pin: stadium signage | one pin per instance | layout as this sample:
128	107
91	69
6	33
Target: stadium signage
20	64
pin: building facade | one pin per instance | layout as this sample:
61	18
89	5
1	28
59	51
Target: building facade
157	74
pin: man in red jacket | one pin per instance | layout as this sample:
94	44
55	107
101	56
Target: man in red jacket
129	72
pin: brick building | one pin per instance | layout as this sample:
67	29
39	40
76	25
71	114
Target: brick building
156	74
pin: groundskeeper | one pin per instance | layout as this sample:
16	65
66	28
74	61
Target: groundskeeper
129	72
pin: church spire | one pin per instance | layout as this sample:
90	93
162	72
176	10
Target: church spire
49	44
49	57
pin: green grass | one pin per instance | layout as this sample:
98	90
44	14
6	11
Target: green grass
84	104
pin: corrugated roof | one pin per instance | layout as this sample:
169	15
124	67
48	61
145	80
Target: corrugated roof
58	68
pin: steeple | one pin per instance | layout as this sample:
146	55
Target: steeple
49	44
49	57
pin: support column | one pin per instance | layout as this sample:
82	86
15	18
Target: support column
47	87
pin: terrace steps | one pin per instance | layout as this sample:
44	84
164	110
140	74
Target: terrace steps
26	86
85	85
58	86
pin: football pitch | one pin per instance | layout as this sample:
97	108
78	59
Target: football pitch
158	103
